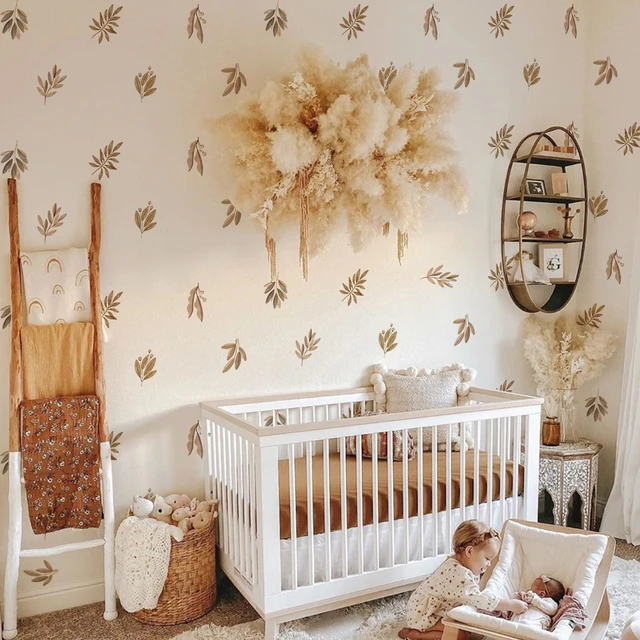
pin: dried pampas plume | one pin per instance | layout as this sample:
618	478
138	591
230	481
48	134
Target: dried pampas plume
328	144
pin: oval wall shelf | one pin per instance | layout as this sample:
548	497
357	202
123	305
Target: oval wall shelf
559	258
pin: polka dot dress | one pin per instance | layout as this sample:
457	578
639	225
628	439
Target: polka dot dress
450	585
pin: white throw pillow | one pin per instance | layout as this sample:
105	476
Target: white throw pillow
416	390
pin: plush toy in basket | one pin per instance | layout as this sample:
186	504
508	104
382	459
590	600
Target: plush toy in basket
189	590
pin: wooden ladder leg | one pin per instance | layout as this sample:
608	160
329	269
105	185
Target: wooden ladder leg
271	629
14	543
110	611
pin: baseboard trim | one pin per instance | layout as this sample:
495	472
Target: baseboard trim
74	594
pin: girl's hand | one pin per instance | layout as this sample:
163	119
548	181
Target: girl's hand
518	606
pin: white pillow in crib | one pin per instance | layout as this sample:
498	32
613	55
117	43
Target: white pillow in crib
408	389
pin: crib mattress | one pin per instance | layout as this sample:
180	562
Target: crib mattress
383	489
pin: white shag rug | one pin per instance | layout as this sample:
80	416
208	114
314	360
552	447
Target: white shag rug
382	619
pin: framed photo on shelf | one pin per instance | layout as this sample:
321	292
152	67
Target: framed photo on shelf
551	258
559	184
535	187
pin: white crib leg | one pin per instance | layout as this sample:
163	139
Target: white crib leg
271	629
13	548
110	611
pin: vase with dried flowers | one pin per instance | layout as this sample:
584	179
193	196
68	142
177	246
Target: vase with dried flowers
329	145
564	356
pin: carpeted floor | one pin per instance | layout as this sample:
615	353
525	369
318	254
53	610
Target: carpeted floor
84	623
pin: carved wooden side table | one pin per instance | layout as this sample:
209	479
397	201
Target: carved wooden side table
571	467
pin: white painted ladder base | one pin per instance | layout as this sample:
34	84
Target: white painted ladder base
14	543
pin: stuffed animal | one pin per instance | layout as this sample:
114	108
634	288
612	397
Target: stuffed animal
201	520
141	507
203	507
161	510
177	501
182	517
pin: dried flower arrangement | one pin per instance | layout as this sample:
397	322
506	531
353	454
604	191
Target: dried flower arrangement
329	144
564	356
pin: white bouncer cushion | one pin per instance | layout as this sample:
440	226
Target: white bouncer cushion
528	552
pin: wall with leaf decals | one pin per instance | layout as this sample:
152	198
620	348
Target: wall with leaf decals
122	93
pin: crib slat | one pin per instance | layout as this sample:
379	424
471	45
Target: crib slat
234	502
310	531
421	490
405	490
390	500
517	444
239	499
252	513
448	474
490	472
434	486
476	469
376	515
293	514
504	442
359	504
463	473
327	509
343	505
229	494
245	502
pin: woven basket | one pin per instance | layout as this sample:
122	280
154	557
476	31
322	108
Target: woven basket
190	589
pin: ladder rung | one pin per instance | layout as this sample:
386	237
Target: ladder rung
62	548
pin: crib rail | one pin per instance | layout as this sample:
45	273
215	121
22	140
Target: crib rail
312	504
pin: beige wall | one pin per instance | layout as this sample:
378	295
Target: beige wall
98	103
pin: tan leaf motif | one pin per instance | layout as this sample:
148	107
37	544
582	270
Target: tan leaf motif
50	85
107	160
114	442
591	317
628	140
106	24
465	330
14	162
14	22
276	20
502	140
144	367
235	355
465	74
387	339
354	21
145	219
43	575
356	413
276	292
145	83
5	316
507	386
436	275
233	215
196	20
614	265
598	205
280	420
52	222
386	75
496	276
354	288
597	407
235	80
571	21
110	306
196	298
531	73
606	71
195	440
309	344
196	155
431	20
500	23
4	461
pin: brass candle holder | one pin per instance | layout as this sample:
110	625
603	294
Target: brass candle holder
566	214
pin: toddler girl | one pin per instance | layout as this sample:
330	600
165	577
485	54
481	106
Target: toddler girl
456	581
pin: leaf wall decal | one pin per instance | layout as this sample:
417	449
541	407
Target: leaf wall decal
354	22
196	20
14	162
606	71
49	87
276	292
235	355
629	140
106	24
144	367
597	407
614	265
4	462
107	160
436	275
571	21
43	575
465	74
276	20
354	288
14	22
507	386
431	20
591	317
114	442
196	298
196	155
502	20
52	222
531	73
110	306
386	75
235	79
233	215
145	83
145	219
5	316
502	140
598	205
194	440
309	344
465	330
388	339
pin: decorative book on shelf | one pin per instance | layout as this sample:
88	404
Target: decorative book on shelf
544	220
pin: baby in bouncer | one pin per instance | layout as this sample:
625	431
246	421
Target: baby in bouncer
543	597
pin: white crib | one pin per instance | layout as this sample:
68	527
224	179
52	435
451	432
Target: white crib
369	527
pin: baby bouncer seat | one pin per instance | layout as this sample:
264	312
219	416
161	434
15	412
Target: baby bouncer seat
580	560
